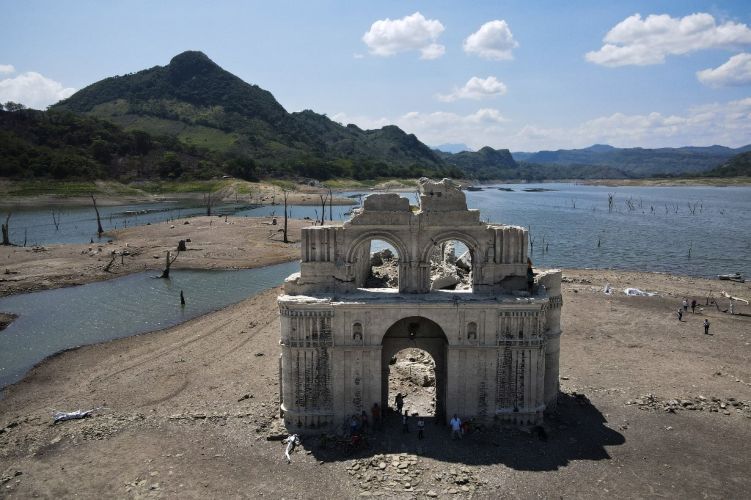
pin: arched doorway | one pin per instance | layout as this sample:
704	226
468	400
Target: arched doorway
377	262
419	333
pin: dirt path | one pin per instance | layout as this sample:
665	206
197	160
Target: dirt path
186	412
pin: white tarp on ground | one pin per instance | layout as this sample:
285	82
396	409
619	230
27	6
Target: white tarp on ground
635	292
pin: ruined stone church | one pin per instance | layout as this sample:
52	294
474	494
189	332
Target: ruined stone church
495	346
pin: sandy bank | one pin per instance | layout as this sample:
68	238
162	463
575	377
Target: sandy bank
215	243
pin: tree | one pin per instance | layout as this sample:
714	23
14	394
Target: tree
99	229
14	106
284	192
5	229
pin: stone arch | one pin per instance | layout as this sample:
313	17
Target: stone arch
468	240
388	237
421	333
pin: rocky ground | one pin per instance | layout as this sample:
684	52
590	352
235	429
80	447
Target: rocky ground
650	407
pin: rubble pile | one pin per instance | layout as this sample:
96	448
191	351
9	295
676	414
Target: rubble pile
391	474
696	403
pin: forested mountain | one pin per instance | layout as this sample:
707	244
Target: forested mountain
199	103
637	162
63	145
738	165
484	164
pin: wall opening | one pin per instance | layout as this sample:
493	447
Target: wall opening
451	266
377	265
413	360
412	374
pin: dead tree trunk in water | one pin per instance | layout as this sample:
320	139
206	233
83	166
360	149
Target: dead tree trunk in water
208	202
99	229
167	264
6	230
284	192
331	208
323	208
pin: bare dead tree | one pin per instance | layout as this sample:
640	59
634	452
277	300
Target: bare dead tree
323	208
56	219
610	202
331	208
168	263
99	229
208	201
284	193
112	260
6	229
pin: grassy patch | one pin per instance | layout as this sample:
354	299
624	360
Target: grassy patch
162	187
288	185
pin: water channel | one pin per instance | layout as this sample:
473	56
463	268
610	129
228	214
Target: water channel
53	320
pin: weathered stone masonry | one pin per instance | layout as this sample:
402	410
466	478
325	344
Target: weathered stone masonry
496	347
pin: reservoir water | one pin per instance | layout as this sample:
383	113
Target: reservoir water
690	230
53	320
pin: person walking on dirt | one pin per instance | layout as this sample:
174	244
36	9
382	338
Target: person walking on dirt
399	400
405	423
706	326
456	427
693	306
420	427
685	305
680	314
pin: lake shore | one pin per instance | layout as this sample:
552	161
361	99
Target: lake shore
191	407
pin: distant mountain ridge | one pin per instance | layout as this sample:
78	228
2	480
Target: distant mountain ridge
637	162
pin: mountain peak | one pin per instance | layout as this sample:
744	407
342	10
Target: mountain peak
191	56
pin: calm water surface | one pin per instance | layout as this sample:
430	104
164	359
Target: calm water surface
53	320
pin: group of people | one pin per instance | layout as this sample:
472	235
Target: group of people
684	309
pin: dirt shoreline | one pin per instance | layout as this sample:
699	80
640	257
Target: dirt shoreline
188	411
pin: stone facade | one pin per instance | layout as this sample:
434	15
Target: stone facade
496	346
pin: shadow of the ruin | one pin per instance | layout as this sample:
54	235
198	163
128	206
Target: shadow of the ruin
575	431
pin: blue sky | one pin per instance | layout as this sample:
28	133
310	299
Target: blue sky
504	74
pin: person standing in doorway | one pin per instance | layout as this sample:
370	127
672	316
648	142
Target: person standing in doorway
399	401
405	423
706	326
420	427
456	427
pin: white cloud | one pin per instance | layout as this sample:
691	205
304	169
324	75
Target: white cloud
637	41
33	90
726	123
735	72
387	37
476	88
6	69
492	41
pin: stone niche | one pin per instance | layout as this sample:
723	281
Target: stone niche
495	346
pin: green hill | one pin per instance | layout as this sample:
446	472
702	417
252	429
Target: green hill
199	103
737	166
487	163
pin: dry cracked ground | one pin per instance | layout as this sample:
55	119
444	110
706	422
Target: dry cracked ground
650	407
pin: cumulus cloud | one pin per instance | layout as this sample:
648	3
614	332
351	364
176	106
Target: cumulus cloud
476	88
6	69
637	41
726	123
33	90
387	37
735	72
492	41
